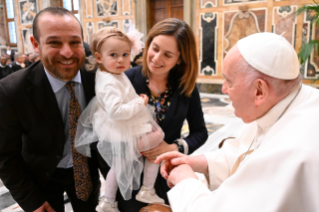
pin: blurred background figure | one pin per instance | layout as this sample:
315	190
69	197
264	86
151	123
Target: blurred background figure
10	53
18	63
5	70
35	58
28	59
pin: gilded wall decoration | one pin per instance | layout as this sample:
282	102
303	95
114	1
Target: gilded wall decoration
242	1
284	22
106	8
238	25
27	45
208	3
88	8
27	10
102	24
126	7
310	32
89	31
208	44
3	35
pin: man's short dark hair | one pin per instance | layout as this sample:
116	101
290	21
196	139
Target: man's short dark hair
54	11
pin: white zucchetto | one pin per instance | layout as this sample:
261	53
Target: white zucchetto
270	54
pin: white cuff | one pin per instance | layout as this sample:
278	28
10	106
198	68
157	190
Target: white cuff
185	145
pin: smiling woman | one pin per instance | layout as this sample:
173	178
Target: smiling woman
168	77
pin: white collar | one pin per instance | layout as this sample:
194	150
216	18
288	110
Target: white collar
18	63
276	111
57	84
2	65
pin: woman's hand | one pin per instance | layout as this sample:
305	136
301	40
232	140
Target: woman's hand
163	147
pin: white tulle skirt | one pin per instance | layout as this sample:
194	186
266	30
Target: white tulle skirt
119	142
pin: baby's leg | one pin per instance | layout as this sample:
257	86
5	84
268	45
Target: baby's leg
147	192
150	140
111	186
150	174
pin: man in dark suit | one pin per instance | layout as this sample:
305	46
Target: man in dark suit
18	62
10	53
38	111
5	70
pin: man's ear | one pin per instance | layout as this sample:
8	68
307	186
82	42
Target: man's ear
35	44
98	57
261	91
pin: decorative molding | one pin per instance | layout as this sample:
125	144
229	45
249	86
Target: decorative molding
102	24
310	32
126	7
89	32
27	10
244	31
208	43
88	4
232	2
106	8
126	25
208	3
284	22
26	43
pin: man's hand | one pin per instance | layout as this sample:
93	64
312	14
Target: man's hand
45	208
179	173
170	160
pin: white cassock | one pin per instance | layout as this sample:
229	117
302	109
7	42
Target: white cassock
281	174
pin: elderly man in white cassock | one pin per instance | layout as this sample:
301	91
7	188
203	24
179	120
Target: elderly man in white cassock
273	165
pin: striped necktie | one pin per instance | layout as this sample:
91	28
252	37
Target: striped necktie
82	177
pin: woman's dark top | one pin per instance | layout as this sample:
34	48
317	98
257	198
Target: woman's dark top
181	108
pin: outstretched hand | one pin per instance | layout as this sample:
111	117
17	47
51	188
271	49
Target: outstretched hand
170	160
45	208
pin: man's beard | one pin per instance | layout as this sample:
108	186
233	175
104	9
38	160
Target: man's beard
64	74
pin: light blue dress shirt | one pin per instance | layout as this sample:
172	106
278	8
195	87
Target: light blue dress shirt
63	98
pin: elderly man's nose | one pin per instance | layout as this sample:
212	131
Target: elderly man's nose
225	88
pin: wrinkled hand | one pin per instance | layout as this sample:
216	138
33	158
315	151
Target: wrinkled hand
163	147
145	98
179	173
170	160
45	208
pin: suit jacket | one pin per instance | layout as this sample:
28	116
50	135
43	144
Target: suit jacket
32	133
181	108
5	71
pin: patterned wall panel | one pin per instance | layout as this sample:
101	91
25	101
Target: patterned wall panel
126	7
102	24
3	35
89	31
208	44
127	25
27	10
27	45
208	3
284	22
106	8
310	32
242	1
238	25
88	7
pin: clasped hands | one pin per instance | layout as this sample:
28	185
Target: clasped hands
176	166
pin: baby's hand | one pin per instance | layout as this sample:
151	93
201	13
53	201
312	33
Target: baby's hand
145	98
